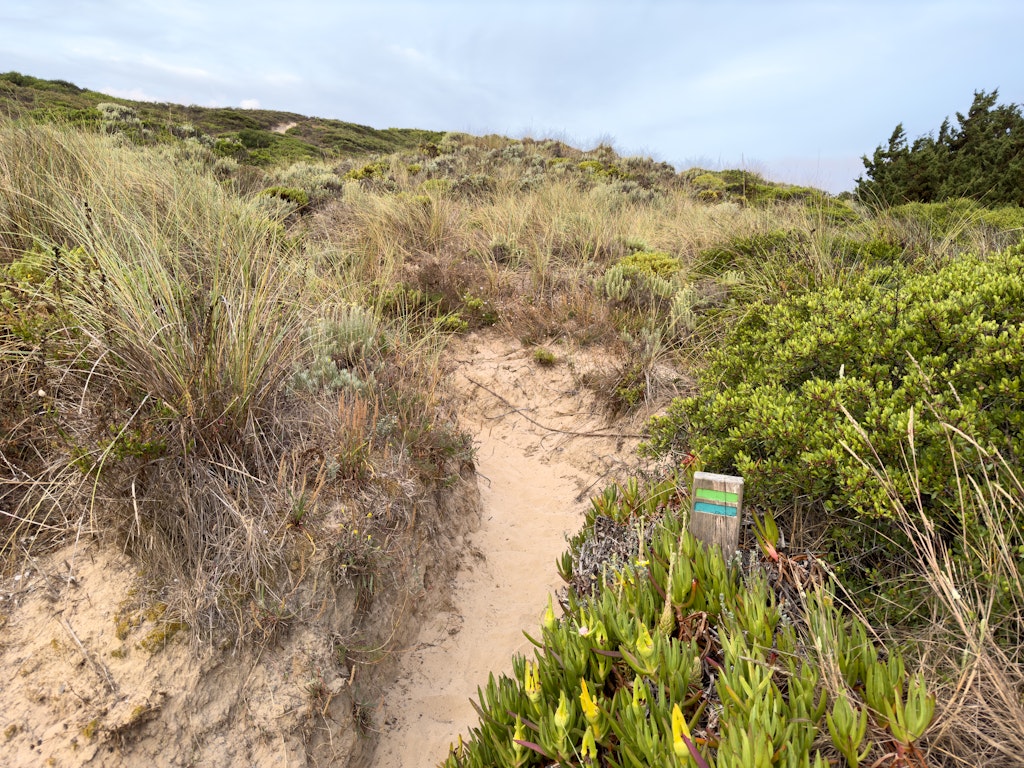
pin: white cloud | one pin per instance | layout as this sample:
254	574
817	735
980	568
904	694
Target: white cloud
250	104
282	78
744	76
410	54
134	94
425	63
192	73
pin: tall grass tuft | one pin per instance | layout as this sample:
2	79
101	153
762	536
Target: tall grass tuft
179	309
972	646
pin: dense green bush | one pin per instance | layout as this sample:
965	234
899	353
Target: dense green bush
289	194
27	81
709	186
900	352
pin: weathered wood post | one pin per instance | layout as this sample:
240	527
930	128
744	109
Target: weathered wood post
716	507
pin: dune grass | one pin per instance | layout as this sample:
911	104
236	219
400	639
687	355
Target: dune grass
223	368
159	322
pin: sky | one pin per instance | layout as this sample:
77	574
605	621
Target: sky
797	90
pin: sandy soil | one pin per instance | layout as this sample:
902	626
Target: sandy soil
283	127
95	675
538	462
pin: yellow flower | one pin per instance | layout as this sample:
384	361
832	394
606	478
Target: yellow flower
590	710
531	682
679	730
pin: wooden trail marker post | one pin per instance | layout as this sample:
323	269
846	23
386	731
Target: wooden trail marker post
716	506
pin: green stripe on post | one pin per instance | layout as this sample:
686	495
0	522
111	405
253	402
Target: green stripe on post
710	494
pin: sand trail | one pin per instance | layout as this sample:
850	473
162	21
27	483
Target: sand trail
535	479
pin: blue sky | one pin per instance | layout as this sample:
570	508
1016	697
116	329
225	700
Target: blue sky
795	89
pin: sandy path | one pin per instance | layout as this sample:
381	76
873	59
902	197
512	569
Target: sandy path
534	485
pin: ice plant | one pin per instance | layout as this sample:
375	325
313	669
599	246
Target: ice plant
644	644
549	616
531	683
590	710
598	722
588	749
562	719
847	726
667	622
518	735
562	713
682	742
639	695
679	730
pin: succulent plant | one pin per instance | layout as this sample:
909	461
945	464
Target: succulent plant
682	659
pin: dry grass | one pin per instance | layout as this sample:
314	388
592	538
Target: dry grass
971	649
154	323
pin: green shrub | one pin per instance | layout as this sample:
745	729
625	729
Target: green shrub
951	218
317	180
375	170
602	170
451	322
709	187
544	357
289	194
899	352
657	263
831	209
255	139
641	278
744	252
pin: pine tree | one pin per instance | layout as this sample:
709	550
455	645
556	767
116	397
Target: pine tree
982	157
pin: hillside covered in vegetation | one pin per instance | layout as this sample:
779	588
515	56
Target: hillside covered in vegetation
223	350
254	136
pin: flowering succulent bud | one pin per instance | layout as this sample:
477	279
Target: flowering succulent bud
550	622
517	736
679	730
588	749
590	710
562	713
644	643
531	682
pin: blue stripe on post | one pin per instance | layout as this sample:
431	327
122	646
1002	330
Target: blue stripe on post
714	509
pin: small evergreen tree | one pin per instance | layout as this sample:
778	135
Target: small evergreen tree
982	157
